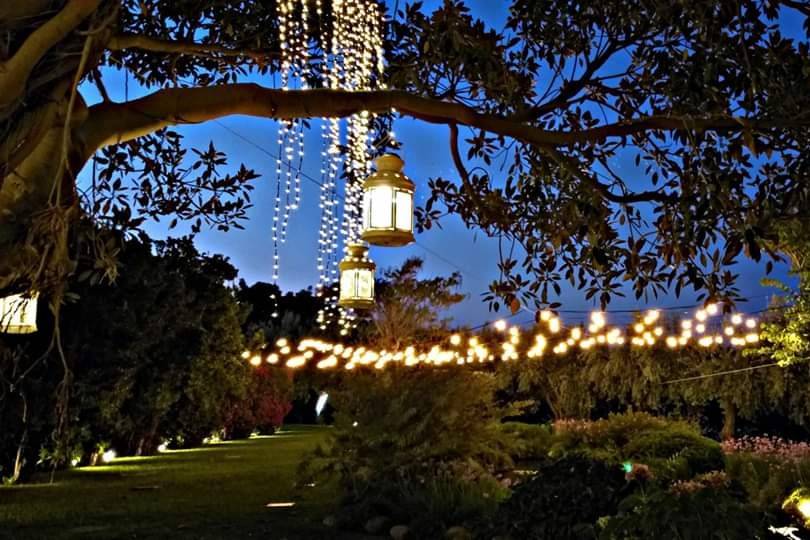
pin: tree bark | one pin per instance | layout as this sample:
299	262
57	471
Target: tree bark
16	70
729	420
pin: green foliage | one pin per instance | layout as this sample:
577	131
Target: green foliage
532	441
162	359
408	308
672	449
767	479
593	383
706	508
412	435
564	500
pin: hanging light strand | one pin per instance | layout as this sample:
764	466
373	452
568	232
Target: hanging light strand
293	18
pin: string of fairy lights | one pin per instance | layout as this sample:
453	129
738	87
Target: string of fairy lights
510	343
352	60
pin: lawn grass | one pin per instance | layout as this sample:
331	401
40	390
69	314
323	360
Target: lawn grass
217	491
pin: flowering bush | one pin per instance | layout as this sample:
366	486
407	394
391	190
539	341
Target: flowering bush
768	467
768	447
268	400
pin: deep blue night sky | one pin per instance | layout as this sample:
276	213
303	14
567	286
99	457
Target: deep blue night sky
425	151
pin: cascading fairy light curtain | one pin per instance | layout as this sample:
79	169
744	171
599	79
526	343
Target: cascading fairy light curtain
294	41
352	59
354	63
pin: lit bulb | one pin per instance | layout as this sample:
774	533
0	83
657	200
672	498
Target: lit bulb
750	323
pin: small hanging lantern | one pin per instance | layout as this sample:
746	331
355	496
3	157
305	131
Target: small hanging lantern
357	279
388	204
18	314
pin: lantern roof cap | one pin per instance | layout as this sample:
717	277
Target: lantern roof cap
389	173
389	163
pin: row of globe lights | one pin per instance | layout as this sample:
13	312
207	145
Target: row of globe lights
473	350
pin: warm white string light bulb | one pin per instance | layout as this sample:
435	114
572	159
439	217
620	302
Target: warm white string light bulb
352	62
293	16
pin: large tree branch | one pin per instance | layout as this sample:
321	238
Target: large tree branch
14	73
134	41
117	122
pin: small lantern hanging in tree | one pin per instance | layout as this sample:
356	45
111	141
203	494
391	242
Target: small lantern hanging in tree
388	204
18	314
357	279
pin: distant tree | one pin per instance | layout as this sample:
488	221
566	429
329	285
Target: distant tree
786	332
409	308
274	314
157	354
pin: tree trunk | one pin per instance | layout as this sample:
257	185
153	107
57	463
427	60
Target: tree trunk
19	460
729	420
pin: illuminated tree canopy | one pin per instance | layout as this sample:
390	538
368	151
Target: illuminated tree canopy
709	103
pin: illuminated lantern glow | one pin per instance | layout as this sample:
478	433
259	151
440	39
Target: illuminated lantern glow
18	314
388	204
357	279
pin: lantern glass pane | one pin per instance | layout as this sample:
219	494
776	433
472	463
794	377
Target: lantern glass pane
381	212
365	284
18	315
366	209
347	282
404	210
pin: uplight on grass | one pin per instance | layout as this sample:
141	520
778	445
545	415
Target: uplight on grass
108	456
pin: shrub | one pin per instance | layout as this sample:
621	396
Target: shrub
532	441
707	507
414	441
673	449
768	467
564	500
268	400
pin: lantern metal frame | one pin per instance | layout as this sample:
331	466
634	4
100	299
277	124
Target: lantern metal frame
388	175
356	261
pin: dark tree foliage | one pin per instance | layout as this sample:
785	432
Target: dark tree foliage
652	143
153	357
409	308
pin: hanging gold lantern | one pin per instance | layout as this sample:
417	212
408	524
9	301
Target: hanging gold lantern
357	279
18	314
388	204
